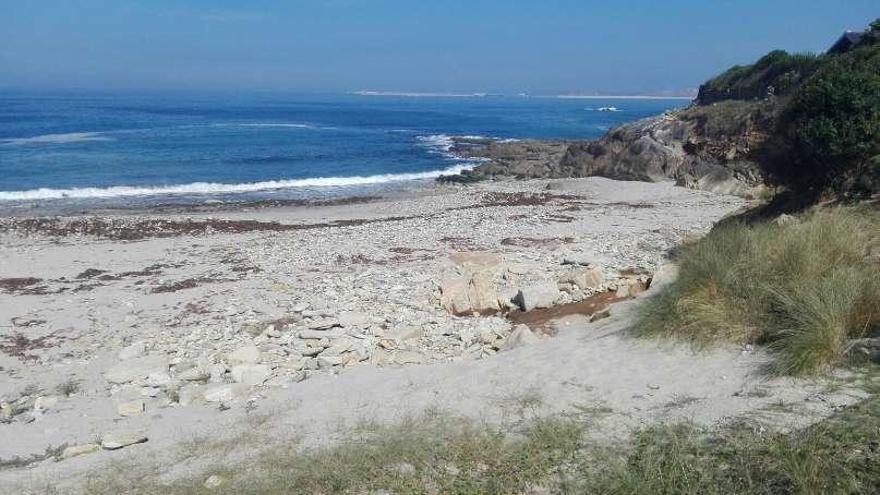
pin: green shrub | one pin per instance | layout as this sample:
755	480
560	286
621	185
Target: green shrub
804	288
776	73
830	130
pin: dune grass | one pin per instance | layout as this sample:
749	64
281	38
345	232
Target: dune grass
836	456
434	453
804	288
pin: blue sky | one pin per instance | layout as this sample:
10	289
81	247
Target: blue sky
450	45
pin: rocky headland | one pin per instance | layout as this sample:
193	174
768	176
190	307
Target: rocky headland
702	147
751	131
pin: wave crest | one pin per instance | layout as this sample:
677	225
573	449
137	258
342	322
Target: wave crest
206	188
68	138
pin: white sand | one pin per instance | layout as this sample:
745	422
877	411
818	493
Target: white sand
618	225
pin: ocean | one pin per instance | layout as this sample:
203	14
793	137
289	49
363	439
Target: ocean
188	148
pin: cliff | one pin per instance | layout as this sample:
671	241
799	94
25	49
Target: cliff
807	123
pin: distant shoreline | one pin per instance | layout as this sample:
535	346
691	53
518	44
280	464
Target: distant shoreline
499	95
617	97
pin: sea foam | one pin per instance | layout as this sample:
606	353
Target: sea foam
198	188
71	137
270	124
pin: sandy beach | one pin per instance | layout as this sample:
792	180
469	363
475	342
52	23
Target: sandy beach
145	330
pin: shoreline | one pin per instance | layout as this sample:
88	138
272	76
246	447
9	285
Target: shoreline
167	324
219	307
206	204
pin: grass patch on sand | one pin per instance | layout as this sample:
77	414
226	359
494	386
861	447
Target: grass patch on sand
804	287
434	453
839	455
438	454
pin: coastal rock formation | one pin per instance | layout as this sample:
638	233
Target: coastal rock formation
702	147
706	148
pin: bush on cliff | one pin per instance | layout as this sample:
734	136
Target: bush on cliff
805	288
831	128
776	73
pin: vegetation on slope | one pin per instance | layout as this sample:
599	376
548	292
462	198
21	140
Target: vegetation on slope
830	130
806	288
777	73
824	130
437	454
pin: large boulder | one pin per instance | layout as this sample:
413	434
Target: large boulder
589	278
543	295
704	147
467	294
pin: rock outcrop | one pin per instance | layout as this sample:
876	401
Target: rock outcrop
702	147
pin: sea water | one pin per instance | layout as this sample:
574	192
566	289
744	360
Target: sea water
196	148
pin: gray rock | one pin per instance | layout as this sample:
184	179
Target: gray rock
325	362
676	146
521	336
353	319
226	392
589	278
320	334
78	450
324	323
196	374
131	408
250	374
45	402
214	481
136	369
339	346
473	293
664	275
150	392
248	354
189	394
158	379
405	333
407	357
537	296
629	288
578	259
132	351
119	439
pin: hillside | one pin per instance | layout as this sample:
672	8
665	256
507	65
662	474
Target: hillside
809	123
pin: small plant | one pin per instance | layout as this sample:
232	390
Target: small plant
68	387
31	390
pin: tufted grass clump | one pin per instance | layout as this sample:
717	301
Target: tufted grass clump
804	287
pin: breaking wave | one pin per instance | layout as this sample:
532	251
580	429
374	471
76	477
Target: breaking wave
297	126
68	138
198	188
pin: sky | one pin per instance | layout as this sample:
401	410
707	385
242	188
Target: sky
506	46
